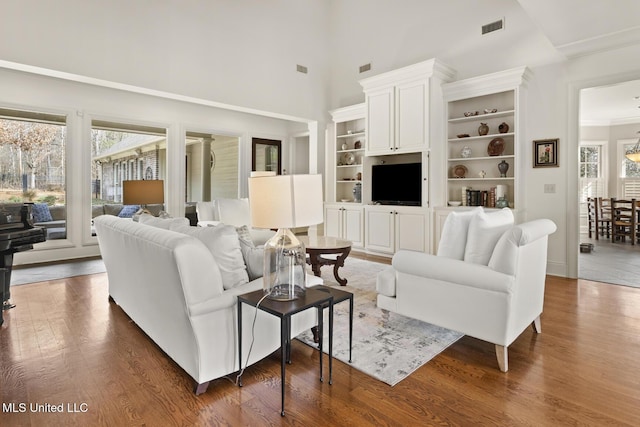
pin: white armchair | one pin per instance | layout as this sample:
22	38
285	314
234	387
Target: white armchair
232	212
487	280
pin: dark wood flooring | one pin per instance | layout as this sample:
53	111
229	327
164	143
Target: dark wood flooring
66	344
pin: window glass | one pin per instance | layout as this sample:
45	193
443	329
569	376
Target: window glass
32	166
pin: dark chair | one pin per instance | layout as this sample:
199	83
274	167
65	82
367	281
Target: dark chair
624	220
603	217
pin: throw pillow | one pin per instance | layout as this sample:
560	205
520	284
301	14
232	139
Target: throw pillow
253	257
484	231
222	241
41	213
453	239
165	223
128	211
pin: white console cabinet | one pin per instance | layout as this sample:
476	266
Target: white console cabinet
345	221
392	228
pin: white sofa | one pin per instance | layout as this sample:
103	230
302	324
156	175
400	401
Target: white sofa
181	290
487	280
233	212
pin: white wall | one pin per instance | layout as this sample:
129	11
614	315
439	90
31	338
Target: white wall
236	52
81	103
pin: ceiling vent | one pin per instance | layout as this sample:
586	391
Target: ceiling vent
493	26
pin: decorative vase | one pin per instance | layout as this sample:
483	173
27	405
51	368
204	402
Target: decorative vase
483	129
357	193
345	146
503	128
503	167
465	153
502	202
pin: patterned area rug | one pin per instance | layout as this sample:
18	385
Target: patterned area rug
386	346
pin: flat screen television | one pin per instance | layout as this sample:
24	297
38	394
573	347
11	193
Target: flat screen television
397	184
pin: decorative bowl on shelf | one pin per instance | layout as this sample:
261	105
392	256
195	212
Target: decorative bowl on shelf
345	200
471	113
348	158
459	171
490	110
454	203
495	147
463	135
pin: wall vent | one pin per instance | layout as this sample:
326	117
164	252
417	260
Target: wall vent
493	26
365	67
301	69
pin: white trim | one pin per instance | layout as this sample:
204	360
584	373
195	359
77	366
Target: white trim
142	90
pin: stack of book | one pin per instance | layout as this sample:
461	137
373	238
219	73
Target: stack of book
486	198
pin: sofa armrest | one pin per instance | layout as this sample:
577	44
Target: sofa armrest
451	270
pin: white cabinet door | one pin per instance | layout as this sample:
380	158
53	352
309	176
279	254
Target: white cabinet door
411	116
333	221
352	226
380	122
411	231
380	230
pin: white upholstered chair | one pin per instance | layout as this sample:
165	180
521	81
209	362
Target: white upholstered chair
232	212
487	280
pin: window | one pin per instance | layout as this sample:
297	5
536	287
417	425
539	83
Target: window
629	181
593	182
32	165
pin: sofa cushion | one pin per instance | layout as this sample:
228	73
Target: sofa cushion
253	256
40	212
223	243
112	209
128	211
58	212
96	211
454	234
485	229
165	223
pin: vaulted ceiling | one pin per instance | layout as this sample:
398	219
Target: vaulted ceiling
578	27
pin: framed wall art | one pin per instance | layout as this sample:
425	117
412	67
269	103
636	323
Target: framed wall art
545	153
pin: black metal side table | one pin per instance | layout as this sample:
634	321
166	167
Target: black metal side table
339	295
284	310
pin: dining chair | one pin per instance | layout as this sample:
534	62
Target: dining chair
592	218
603	217
624	220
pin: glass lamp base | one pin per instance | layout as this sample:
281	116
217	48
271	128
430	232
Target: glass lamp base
285	293
284	276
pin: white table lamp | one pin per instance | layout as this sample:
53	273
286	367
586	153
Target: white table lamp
284	202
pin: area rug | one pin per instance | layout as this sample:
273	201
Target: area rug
386	346
42	273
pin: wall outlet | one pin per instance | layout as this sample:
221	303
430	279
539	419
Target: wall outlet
549	188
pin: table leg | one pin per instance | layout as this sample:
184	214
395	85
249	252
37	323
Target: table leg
314	260
340	263
320	334
350	325
240	342
283	354
331	341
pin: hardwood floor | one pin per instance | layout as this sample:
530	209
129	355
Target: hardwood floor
65	343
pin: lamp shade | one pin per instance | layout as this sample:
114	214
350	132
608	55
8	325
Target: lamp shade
285	201
142	192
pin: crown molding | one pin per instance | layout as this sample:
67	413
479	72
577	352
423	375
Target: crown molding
601	43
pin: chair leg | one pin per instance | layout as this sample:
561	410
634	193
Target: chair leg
537	326
503	357
201	388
